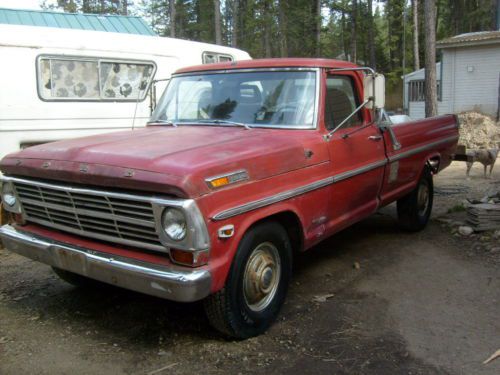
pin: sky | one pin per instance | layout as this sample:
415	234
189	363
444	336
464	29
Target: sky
22	4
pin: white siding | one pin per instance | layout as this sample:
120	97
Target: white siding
464	90
477	89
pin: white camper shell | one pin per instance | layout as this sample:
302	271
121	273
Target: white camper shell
61	83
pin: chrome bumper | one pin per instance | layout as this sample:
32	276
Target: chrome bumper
172	282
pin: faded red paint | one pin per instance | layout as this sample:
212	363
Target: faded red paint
176	161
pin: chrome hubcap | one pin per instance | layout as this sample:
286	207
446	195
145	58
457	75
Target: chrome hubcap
262	275
423	199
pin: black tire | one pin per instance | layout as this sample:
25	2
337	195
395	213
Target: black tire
414	213
75	279
229	310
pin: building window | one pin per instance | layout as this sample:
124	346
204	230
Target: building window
416	90
93	79
214	57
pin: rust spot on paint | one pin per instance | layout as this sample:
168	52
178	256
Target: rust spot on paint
46	164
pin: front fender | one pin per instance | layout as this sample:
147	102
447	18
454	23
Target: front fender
223	250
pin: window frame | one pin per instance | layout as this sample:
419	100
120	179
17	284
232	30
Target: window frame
317	94
418	84
98	59
357	101
218	55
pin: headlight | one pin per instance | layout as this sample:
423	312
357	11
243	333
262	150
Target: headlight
174	224
9	199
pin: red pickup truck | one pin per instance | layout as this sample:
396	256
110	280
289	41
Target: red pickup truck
242	166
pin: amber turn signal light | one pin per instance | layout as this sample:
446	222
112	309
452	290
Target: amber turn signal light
189	258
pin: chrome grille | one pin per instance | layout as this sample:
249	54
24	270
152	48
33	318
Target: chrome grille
110	218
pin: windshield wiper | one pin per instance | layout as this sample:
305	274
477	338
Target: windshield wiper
162	122
224	122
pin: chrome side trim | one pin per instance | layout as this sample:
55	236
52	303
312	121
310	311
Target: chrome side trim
170	282
297	191
273	199
319	184
345	175
417	150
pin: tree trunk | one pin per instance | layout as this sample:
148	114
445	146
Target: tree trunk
171	4
318	28
283	28
354	45
267	31
371	36
416	52
218	31
234	36
430	58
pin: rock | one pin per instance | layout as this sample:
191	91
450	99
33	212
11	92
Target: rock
322	298
465	231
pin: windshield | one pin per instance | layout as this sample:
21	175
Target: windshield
259	98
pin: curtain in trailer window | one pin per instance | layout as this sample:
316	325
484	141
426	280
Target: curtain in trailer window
123	81
74	79
80	79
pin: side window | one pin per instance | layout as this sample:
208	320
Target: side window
340	102
214	57
79	78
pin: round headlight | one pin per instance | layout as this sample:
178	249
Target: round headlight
9	199
174	224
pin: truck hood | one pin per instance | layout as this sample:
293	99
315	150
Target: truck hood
165	159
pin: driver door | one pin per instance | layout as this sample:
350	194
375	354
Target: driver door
357	153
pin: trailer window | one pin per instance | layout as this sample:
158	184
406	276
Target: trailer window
214	57
74	78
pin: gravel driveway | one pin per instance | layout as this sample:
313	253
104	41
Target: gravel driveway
370	300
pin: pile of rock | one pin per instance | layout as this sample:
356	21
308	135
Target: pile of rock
478	131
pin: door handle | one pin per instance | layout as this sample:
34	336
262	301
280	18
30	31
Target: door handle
375	137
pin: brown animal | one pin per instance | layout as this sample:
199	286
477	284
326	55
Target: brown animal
485	157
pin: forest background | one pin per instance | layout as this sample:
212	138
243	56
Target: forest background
386	35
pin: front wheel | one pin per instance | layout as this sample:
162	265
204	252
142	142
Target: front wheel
414	209
256	285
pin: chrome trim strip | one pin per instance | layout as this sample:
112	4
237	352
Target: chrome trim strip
242	172
170	282
101	193
354	172
419	149
196	239
273	199
317	70
297	191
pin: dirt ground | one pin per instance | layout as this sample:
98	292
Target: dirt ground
425	303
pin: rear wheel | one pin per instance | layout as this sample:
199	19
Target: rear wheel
414	209
256	285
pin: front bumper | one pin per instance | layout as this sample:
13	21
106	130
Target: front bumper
169	282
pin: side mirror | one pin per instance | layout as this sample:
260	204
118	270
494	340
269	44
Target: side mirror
374	87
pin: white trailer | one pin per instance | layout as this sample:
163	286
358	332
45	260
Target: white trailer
64	83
